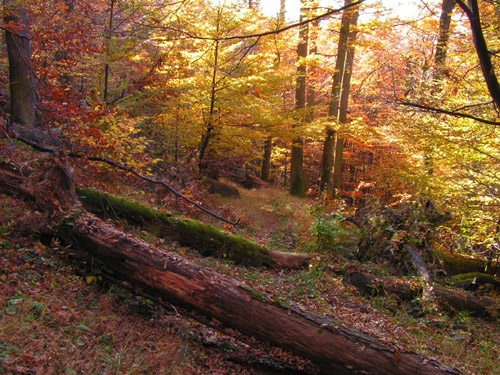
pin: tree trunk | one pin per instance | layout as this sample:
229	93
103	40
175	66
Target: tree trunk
203	163
170	277
455	264
265	171
297	182
339	100
23	99
443	38
109	34
343	100
439	69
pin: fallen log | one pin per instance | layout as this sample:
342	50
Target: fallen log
206	239
457	299
336	348
455	264
169	276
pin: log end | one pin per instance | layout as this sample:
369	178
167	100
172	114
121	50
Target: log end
282	259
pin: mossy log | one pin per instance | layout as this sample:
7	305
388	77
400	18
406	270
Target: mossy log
170	277
455	264
456	299
202	237
475	280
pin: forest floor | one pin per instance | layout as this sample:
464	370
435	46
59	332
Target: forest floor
58	316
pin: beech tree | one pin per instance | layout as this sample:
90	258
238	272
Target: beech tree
339	100
23	98
297	178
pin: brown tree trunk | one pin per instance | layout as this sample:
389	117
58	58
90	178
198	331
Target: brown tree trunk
297	182
265	170
170	277
339	101
439	67
23	99
443	38
109	34
343	100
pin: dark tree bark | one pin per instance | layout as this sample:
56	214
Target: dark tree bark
352	14
297	181
443	38
109	34
203	164
471	9
23	99
170	277
338	104
265	170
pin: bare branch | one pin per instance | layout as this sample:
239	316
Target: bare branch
447	112
258	35
122	167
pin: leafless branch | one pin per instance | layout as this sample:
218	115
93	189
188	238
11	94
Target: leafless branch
122	167
446	112
258	35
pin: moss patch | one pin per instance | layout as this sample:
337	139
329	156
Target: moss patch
205	238
458	264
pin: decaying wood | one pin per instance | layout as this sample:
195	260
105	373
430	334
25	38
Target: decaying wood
455	264
169	276
204	238
337	349
456	299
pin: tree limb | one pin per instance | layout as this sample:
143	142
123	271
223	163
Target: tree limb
258	35
54	149
446	112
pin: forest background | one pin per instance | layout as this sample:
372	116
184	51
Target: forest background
185	87
198	93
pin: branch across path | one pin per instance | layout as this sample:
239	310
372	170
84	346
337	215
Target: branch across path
45	142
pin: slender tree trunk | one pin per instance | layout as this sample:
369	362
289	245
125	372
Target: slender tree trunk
281	16
108	41
443	38
265	171
344	98
205	141
339	101
297	183
23	98
439	65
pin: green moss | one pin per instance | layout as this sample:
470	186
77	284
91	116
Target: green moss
205	238
474	277
255	294
280	303
113	205
209	240
458	264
